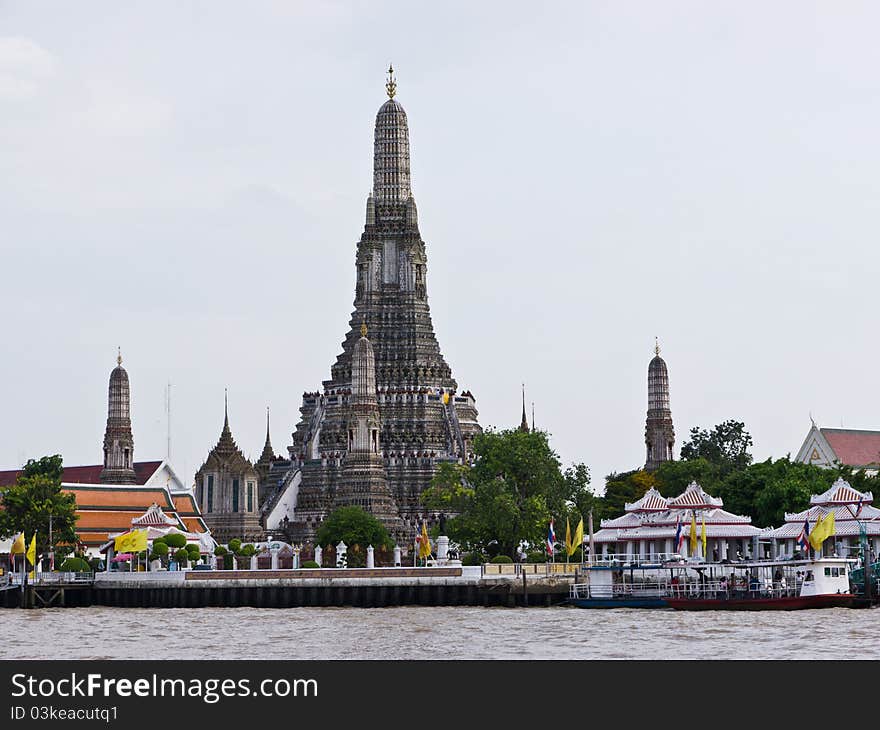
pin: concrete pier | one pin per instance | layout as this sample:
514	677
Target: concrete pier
364	587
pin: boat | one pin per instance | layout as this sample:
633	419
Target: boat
768	585
624	581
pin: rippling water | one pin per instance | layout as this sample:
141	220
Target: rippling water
436	633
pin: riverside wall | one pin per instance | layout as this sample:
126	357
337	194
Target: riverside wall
451	586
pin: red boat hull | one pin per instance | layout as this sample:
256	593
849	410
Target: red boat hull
793	603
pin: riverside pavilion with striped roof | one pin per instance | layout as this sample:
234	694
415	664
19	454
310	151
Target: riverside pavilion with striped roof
648	527
851	508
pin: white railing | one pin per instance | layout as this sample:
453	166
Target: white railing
725	590
651	589
53	578
629	559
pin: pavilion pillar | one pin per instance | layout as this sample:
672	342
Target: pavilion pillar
643	549
604	549
667	546
630	550
274	554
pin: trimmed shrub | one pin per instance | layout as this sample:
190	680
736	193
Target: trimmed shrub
501	559
310	564
472	559
75	565
247	551
234	545
160	549
536	557
220	551
182	558
175	540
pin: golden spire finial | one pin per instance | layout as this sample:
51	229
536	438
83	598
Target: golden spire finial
363	330
656	346
391	84
119	356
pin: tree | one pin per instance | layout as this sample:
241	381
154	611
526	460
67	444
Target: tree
509	494
36	497
726	446
353	526
624	488
673	477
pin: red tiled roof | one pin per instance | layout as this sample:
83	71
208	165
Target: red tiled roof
143	470
854	448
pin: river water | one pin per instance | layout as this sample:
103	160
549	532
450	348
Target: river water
417	632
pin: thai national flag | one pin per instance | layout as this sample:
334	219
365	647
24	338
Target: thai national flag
859	506
551	538
679	538
803	539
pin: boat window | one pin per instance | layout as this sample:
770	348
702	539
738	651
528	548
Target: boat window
809	576
827	570
835	572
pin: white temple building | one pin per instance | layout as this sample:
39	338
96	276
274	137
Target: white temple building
851	508
648	528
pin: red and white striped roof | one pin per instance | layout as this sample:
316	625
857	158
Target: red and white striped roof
652	501
154	517
694	497
841	492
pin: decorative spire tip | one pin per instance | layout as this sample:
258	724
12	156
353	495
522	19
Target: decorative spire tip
391	84
656	346
363	330
119	356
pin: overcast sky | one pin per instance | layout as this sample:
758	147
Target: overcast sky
187	181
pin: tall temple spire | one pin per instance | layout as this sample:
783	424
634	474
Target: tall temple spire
533	416
425	420
524	423
659	432
118	439
391	173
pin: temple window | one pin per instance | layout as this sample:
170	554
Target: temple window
210	505
235	495
250	496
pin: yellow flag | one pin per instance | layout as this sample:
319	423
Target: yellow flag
693	534
445	398
131	542
823	530
703	534
17	545
31	555
568	548
578	537
424	542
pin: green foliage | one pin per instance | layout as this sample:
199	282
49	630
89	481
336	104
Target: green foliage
220	551
28	504
75	565
234	545
181	557
48	466
726	446
193	549
673	477
228	561
175	540
536	556
509	494
353	526
472	559
624	488
501	559
310	564
160	549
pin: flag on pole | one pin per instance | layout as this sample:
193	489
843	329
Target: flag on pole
803	539
578	540
679	537
703	534
131	542
31	554
551	538
693	545
17	547
568	549
822	531
424	542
